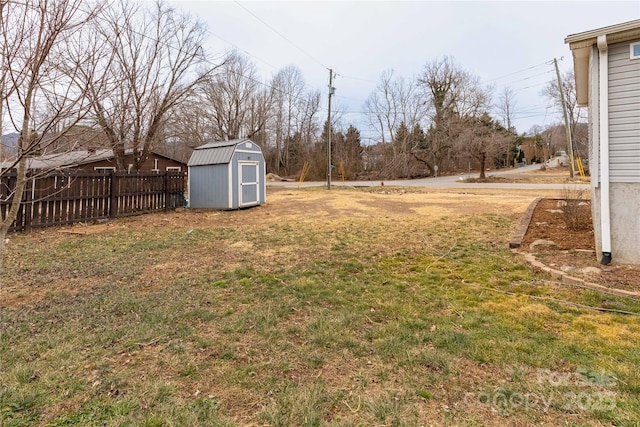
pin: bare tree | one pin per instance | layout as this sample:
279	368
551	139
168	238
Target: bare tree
576	114
505	107
393	108
450	93
259	112
235	100
394	101
551	91
40	96
288	101
309	109
232	103
185	128
381	108
481	138
155	57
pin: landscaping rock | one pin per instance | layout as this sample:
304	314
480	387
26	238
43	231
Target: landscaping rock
541	242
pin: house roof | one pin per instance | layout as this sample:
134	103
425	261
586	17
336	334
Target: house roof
214	153
64	160
70	159
581	45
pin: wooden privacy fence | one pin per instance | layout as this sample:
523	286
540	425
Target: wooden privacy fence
60	198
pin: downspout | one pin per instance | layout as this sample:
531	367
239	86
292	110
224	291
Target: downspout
603	85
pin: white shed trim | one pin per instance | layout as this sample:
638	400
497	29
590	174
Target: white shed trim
241	201
230	184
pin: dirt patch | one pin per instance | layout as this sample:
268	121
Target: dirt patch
87	229
549	222
573	249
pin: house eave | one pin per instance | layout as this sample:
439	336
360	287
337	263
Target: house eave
581	45
581	74
615	33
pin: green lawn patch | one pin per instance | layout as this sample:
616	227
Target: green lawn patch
339	321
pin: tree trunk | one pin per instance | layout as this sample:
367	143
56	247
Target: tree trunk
426	163
483	159
118	152
15	204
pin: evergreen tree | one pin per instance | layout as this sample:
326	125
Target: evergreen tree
418	138
353	150
401	139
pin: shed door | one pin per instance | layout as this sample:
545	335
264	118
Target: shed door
249	183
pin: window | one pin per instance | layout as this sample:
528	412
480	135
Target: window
104	168
248	145
635	50
174	168
155	166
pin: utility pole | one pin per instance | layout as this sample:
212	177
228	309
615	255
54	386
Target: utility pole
566	120
331	91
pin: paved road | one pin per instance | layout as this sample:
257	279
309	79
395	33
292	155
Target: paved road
454	181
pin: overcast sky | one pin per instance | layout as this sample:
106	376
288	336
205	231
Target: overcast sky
506	43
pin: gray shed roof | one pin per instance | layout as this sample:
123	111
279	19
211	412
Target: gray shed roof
214	153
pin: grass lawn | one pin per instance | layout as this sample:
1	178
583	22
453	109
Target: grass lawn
342	308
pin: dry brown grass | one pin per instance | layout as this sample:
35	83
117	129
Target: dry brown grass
349	307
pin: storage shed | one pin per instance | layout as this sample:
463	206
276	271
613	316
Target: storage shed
227	175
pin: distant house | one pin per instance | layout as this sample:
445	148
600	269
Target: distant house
607	72
101	160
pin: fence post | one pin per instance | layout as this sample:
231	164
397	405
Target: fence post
113	199
166	191
27	202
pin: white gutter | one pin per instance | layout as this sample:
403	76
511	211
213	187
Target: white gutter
603	84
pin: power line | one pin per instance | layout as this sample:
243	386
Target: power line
519	71
350	99
524	79
252	56
357	78
241	49
280	34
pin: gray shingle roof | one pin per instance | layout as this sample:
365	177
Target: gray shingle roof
68	159
62	160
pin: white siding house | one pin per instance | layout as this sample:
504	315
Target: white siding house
607	72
